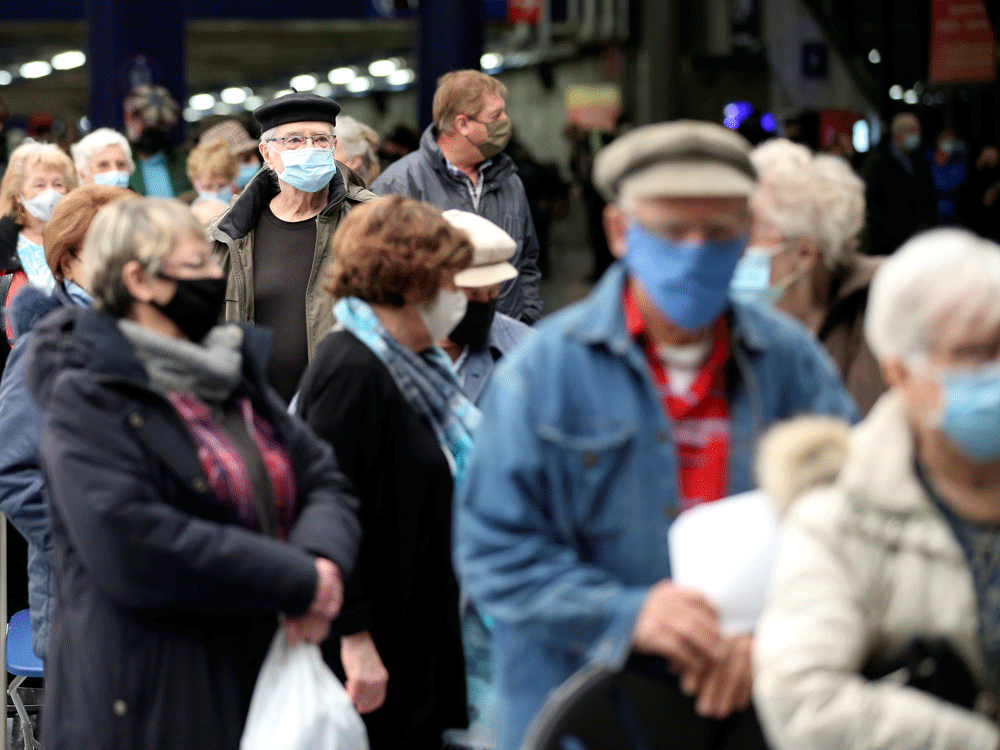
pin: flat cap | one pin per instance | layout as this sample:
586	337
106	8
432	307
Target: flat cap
296	108
231	132
492	247
684	158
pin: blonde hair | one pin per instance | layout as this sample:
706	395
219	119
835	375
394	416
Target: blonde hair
462	92
25	156
357	139
141	229
215	157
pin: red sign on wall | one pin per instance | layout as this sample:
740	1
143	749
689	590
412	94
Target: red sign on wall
524	11
963	48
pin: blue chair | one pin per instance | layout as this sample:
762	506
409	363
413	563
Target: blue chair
22	663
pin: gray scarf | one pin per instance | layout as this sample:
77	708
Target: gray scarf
210	370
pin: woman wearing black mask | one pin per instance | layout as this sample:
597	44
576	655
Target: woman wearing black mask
483	335
189	510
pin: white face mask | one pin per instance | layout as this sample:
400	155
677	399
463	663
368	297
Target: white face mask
42	204
443	312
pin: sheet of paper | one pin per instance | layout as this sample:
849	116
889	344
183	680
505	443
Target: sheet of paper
726	550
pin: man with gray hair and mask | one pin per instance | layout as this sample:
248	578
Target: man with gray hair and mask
625	409
460	164
900	190
274	241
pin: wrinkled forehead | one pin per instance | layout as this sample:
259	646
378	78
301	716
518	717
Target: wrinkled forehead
665	209
304	128
964	326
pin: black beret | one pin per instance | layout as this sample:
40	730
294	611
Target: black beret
296	108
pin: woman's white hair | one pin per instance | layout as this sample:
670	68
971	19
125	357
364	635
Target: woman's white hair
937	283
817	197
97	141
357	139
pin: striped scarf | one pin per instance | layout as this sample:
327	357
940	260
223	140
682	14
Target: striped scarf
427	381
223	465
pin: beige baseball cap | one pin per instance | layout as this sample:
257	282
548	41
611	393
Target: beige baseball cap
684	158
492	247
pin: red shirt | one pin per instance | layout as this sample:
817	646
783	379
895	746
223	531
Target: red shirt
700	417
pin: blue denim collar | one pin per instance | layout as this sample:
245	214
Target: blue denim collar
602	319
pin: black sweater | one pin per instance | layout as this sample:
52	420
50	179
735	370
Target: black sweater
404	591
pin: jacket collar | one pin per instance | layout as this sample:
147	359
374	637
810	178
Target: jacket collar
602	320
880	460
433	154
244	214
89	339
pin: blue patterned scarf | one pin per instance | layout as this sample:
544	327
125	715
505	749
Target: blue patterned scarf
427	381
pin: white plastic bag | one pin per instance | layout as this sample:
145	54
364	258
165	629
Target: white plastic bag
299	704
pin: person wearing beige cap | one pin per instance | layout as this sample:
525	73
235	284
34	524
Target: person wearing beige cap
483	335
623	410
241	144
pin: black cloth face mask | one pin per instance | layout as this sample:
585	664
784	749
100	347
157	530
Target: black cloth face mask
196	306
151	141
474	328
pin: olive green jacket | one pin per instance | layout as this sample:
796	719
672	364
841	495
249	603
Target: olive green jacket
232	235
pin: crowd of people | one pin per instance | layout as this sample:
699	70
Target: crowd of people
284	384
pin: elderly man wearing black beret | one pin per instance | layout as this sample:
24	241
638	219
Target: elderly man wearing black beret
274	241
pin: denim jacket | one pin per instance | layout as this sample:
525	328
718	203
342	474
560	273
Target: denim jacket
562	518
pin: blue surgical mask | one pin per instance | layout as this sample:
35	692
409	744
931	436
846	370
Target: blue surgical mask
224	195
971	414
752	279
688	283
911	142
307	169
114	178
247	171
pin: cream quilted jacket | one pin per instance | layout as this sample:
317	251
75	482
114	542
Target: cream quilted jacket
867	564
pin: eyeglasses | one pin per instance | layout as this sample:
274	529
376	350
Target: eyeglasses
293	142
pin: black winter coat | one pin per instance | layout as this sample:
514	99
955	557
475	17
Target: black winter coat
900	204
404	591
165	605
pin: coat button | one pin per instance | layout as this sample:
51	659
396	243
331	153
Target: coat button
199	484
135	419
589	460
120	708
662	436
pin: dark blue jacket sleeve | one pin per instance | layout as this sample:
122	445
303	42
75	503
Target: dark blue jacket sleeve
21	481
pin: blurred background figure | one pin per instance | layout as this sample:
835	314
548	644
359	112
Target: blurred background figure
357	145
980	195
189	509
400	141
883	624
901	196
388	401
948	160
150	114
809	211
103	158
241	144
4	114
21	480
212	169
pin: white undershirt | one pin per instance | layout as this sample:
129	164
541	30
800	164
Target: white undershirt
683	362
